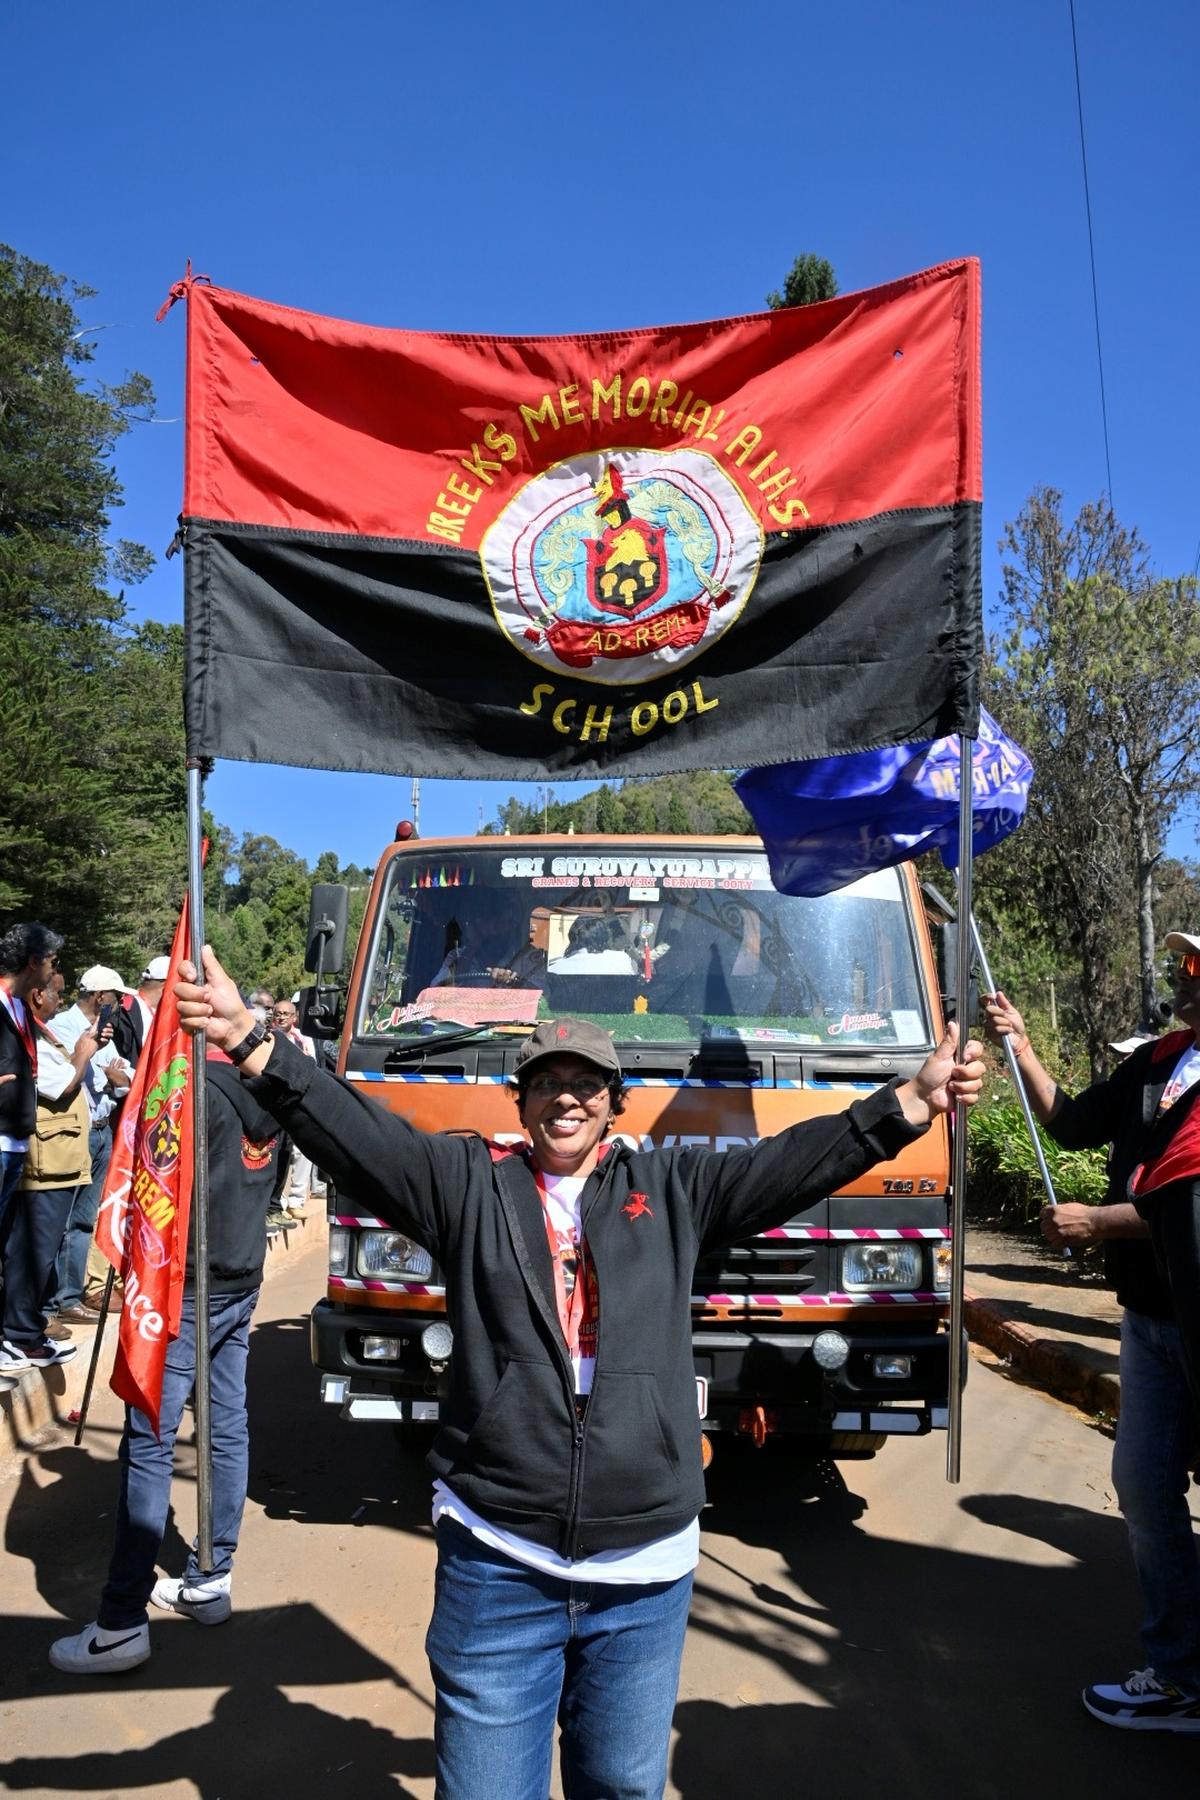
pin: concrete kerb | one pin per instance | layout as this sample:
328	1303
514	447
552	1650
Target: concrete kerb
1062	1369
40	1399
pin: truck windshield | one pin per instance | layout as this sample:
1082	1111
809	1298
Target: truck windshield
653	942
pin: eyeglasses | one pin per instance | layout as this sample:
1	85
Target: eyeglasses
549	1087
1189	965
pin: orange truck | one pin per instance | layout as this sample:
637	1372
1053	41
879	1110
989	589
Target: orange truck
736	1011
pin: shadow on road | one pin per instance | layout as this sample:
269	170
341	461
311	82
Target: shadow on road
932	1668
257	1742
307	1462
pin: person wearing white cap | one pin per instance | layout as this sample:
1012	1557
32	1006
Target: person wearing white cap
1148	1112
105	1082
138	1009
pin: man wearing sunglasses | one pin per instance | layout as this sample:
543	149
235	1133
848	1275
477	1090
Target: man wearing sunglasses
1148	1114
567	1461
28	959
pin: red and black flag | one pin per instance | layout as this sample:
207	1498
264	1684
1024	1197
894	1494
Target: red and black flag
751	540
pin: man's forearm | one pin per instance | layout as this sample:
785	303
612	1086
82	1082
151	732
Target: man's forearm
1045	1095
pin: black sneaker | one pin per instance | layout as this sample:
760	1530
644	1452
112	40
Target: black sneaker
45	1355
1144	1702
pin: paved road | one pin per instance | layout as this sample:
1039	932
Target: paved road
856	1629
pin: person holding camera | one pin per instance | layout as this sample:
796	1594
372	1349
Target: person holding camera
56	1166
106	1081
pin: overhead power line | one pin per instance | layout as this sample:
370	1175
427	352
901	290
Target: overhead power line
1087	198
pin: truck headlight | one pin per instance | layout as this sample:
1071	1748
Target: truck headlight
943	1262
382	1349
881	1266
339	1250
391	1253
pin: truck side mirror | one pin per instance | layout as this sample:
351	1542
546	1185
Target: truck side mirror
328	911
320	1012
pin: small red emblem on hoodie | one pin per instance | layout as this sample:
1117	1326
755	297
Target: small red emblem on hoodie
637	1206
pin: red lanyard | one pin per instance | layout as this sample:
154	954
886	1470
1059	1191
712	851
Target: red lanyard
570	1306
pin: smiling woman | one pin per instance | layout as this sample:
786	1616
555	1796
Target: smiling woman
564	1454
568	1106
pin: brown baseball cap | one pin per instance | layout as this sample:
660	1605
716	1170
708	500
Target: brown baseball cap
568	1037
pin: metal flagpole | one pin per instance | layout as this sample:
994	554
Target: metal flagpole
89	1384
958	1232
196	769
1014	1072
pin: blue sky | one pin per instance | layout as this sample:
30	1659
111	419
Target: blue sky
540	169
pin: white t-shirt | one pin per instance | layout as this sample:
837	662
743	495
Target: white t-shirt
1185	1073
14	1146
664	1559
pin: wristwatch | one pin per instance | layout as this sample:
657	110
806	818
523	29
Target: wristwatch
257	1035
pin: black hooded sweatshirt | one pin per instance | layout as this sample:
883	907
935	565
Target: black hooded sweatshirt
243	1156
511	1443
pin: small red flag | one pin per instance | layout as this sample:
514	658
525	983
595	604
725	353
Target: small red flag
142	1226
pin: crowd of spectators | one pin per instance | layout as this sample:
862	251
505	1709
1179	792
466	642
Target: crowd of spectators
64	1074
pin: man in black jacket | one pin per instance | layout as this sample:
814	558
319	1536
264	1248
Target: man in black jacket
1145	1112
243	1149
28	958
568	1458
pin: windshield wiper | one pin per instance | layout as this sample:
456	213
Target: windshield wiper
420	1046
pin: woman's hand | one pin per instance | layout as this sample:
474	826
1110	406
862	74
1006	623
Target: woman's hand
943	1080
213	1005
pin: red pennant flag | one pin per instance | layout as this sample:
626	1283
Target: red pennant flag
143	1223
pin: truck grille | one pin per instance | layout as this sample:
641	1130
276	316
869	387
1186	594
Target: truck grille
762	1265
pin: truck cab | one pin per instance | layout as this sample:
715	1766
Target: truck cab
736	1011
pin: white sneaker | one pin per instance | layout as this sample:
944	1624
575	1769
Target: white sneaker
12	1360
94	1651
1144	1701
208	1602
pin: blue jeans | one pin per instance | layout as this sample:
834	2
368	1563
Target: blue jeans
12	1163
146	1461
33	1230
1151	1465
511	1650
70	1266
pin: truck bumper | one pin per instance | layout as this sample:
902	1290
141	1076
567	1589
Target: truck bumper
737	1372
404	1389
780	1375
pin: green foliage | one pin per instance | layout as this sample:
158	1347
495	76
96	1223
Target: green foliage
1097	674
57	484
702	804
92	790
809	279
257	913
1003	1167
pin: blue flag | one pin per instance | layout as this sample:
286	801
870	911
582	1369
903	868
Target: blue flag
826	822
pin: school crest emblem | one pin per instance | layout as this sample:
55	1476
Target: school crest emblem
622	565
